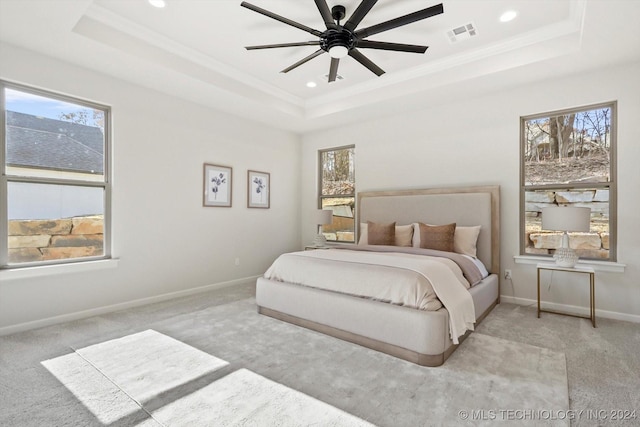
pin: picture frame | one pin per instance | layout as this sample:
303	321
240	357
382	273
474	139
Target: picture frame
217	185
258	189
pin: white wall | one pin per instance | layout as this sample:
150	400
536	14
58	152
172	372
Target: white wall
160	144
476	142
165	240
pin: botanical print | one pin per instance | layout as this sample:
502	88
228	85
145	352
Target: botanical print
217	185
258	189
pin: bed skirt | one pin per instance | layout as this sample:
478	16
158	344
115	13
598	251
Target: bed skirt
418	336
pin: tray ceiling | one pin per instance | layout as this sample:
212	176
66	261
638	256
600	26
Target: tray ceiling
195	50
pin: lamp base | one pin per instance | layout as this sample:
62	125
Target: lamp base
565	257
319	241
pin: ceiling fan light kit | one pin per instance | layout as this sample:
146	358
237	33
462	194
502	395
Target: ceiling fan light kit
344	40
338	51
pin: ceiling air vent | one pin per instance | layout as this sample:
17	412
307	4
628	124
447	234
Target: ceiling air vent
462	33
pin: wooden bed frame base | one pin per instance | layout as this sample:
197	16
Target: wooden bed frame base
393	350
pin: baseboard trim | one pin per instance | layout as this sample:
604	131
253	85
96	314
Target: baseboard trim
583	311
21	327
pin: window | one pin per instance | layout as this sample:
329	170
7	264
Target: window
54	181
338	192
568	158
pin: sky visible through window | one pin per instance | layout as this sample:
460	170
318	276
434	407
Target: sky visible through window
28	103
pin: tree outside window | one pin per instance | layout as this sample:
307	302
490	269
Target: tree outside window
567	158
337	192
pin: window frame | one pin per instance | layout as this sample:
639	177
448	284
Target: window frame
321	197
611	185
5	179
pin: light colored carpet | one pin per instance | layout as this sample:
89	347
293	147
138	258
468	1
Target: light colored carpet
178	384
104	399
147	364
244	398
602	365
490	374
117	378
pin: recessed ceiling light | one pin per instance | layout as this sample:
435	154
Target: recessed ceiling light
508	16
157	3
312	84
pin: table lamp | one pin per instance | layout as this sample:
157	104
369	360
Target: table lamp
566	218
323	217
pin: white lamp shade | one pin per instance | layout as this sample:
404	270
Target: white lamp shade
324	216
566	218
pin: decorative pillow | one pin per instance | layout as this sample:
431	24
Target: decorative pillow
381	234
404	235
415	241
438	237
465	240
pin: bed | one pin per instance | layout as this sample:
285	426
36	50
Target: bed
422	336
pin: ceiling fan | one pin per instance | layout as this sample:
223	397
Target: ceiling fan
342	40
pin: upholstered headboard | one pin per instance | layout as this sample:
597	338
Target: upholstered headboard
466	206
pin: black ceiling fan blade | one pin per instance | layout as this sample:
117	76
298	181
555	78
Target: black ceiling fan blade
398	47
303	60
271	46
281	18
399	22
327	17
357	16
355	54
333	69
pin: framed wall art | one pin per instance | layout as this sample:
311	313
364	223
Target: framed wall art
217	185
258	189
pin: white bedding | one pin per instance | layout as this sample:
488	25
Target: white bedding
415	281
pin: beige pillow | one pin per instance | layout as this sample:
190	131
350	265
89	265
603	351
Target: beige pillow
465	240
404	235
438	237
381	234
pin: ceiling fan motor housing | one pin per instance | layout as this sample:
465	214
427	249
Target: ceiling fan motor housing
339	37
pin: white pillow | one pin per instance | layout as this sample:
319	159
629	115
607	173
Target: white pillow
464	239
404	233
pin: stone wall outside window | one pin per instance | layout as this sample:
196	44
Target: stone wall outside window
45	240
594	244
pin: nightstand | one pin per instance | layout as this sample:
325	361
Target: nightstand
576	269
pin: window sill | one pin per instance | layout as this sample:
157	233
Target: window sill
608	266
48	270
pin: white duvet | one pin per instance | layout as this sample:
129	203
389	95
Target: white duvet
415	281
